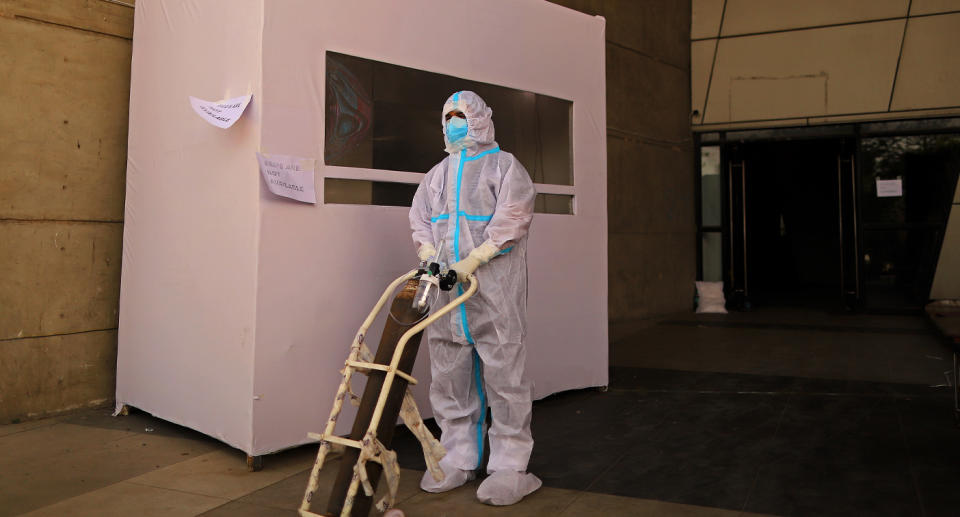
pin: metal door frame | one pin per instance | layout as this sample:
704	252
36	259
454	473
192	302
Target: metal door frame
735	167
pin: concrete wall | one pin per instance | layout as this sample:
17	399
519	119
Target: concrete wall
63	120
766	63
652	245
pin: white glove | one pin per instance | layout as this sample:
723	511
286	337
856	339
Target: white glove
478	257
427	252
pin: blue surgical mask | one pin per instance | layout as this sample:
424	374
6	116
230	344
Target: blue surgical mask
456	129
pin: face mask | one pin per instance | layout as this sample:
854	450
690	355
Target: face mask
456	129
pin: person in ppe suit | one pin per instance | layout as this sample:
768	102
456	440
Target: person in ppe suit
478	202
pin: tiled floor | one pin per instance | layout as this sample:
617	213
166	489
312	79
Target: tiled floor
793	415
180	473
789	343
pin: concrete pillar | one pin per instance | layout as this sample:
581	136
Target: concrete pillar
63	116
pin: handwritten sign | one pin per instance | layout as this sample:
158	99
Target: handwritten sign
289	176
889	188
220	113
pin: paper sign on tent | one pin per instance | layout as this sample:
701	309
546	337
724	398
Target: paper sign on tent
220	113
289	176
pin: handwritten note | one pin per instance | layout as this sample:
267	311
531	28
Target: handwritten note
220	113
289	176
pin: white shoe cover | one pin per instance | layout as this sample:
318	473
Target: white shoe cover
453	477
506	487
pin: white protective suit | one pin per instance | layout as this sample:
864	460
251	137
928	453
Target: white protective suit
478	197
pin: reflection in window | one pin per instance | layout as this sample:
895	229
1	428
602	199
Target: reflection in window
899	266
903	231
553	204
927	167
363	192
384	116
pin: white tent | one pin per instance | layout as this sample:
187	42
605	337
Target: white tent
237	306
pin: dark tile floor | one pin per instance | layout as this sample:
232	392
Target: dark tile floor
784	413
765	444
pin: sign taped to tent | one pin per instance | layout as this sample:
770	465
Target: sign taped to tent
289	176
223	113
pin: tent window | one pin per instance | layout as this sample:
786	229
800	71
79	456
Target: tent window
385	116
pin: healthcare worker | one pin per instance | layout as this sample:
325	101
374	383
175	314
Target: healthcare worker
478	203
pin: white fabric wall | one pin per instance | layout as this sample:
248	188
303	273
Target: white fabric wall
188	282
299	302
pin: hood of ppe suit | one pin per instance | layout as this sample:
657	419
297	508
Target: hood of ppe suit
479	121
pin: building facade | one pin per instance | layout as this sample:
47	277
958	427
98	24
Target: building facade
828	136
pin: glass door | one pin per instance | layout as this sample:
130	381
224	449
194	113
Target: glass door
906	188
791	233
849	216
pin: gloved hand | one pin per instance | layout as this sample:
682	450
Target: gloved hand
427	252
478	257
